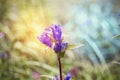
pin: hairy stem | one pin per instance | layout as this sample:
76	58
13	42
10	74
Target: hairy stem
60	68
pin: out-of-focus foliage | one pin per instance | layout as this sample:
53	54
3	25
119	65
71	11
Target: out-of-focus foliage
92	22
96	25
25	22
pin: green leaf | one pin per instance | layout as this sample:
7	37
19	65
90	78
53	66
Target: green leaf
116	62
70	46
117	36
46	76
75	45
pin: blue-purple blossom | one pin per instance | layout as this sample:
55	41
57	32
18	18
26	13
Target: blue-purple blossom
57	33
68	76
45	39
56	77
57	47
119	14
60	47
5	55
52	37
35	75
1	34
2	55
63	46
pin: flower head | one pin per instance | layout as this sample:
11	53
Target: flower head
56	77
60	46
2	55
5	55
52	37
68	76
35	75
1	34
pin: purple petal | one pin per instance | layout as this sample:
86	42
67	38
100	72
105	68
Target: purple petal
35	75
57	33
48	30
1	34
56	78
60	46
119	14
57	47
68	76
45	39
2	55
63	46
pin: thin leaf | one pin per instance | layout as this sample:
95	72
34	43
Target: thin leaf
75	45
47	76
116	62
117	36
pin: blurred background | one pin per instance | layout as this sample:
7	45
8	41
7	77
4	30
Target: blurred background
93	23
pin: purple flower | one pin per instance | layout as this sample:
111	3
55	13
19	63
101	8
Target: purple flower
2	55
57	47
63	46
68	76
60	47
45	39
119	14
57	33
35	75
5	55
52	37
56	77
1	34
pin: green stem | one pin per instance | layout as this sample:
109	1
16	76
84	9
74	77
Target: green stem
60	68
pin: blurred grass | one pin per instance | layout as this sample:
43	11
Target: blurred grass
24	24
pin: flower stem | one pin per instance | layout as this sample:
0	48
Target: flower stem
60	68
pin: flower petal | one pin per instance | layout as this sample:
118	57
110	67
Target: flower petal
57	47
60	46
56	77
63	46
68	76
45	39
57	33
